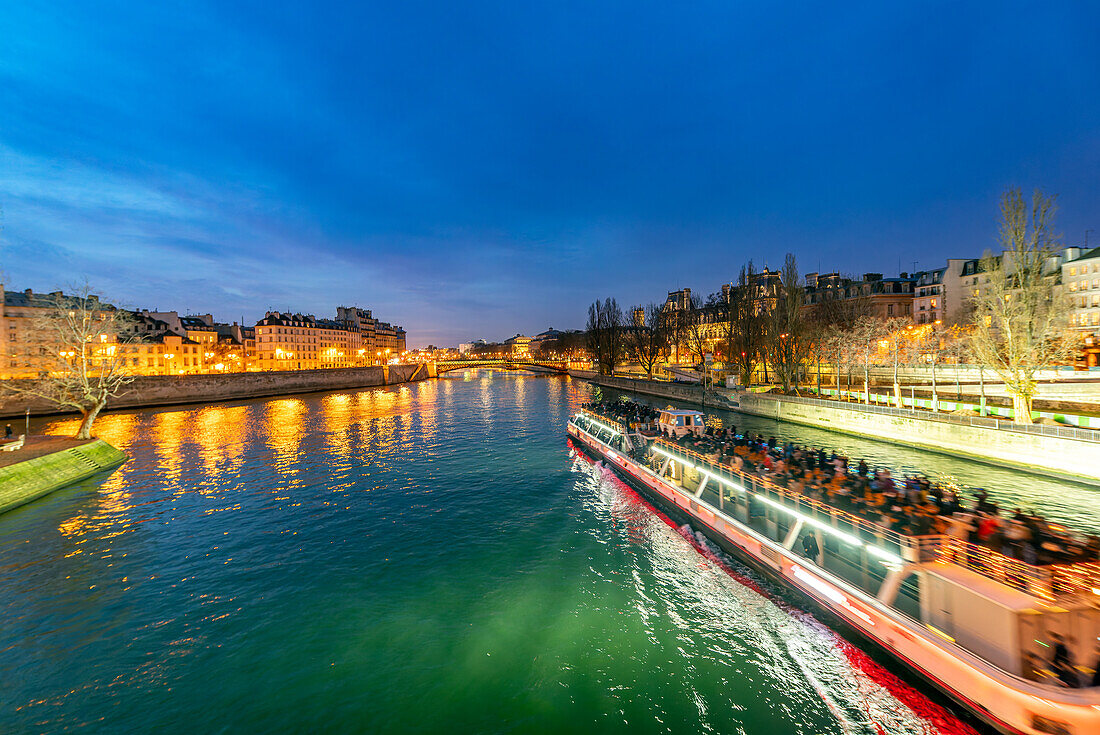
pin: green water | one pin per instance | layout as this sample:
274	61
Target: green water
425	558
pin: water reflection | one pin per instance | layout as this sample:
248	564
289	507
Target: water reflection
314	555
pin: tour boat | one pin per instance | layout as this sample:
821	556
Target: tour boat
973	622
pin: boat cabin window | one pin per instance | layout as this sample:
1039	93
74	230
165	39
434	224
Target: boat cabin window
908	599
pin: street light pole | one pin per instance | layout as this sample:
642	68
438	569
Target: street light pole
27	425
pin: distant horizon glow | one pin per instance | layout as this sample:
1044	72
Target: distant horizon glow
482	171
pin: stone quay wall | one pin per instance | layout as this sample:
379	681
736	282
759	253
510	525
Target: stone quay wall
169	390
1073	455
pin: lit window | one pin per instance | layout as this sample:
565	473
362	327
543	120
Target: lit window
1073	271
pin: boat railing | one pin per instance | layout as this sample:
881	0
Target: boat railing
615	425
1046	581
909	548
1035	580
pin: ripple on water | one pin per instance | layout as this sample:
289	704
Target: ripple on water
413	559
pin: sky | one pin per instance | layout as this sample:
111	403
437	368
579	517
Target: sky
484	169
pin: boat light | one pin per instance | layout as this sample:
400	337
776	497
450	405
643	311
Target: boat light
819	584
831	592
848	538
602	426
939	632
885	556
845	537
724	481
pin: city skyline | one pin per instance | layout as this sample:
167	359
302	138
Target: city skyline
502	168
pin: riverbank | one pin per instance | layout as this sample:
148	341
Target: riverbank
172	390
49	463
1059	452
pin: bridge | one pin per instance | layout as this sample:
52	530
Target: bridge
510	363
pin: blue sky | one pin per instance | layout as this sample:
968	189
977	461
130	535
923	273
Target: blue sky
481	169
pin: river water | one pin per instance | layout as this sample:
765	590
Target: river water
419	558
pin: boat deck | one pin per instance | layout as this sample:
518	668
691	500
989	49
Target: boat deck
849	539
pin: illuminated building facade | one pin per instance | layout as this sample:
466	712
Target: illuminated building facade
519	345
380	341
1081	286
147	347
302	342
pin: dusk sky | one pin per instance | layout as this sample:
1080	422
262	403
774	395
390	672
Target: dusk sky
481	169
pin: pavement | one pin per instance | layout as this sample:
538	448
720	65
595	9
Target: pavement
37	446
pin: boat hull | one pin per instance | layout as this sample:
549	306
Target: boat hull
995	697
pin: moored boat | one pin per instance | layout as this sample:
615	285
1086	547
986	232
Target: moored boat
993	632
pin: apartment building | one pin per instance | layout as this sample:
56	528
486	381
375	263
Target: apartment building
302	342
1081	286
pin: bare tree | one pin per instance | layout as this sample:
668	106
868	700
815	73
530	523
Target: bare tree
898	334
745	328
929	345
833	320
1019	322
867	334
696	319
593	333
648	341
77	349
788	336
673	325
604	335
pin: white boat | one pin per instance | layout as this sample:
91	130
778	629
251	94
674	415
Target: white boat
676	422
974	623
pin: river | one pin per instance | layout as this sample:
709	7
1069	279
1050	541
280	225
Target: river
415	558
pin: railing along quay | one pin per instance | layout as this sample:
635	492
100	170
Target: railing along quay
1047	581
1064	432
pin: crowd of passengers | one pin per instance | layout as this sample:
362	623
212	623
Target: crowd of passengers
914	506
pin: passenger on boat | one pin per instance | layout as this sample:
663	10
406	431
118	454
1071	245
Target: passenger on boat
809	545
1061	662
914	506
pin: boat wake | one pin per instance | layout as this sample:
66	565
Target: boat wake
865	695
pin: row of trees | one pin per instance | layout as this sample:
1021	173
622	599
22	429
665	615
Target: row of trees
754	323
1013	324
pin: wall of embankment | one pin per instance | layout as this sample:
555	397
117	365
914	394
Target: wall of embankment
1072	456
31	479
148	391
